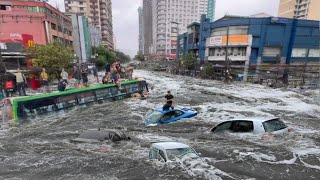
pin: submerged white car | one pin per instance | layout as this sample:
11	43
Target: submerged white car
170	151
255	125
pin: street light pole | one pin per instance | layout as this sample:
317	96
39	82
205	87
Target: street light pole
227	69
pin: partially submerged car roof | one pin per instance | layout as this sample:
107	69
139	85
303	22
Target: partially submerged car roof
170	145
255	119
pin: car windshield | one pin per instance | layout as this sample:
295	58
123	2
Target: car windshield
153	117
178	153
274	125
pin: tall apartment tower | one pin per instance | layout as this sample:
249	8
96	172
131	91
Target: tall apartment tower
147	25
140	13
211	9
99	13
170	18
300	9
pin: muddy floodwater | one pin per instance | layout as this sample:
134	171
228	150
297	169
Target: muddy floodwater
41	148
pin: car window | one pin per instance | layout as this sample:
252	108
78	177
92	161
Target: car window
242	126
154	117
161	156
274	125
178	153
222	127
178	113
153	153
168	116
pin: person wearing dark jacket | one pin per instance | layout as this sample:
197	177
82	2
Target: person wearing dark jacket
62	85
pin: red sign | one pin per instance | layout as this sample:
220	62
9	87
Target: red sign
27	40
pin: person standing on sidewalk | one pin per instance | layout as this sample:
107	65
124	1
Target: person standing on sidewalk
21	81
44	80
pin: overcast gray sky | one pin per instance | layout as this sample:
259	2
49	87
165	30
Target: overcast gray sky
125	17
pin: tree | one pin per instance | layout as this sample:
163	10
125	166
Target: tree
51	56
190	61
139	56
107	55
123	58
207	71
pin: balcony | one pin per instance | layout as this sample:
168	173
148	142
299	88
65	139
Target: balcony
161	12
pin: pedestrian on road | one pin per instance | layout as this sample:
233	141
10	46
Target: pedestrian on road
84	73
62	85
95	72
21	81
64	75
45	80
108	68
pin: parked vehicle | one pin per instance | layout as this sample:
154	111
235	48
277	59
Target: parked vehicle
255	125
169	151
159	116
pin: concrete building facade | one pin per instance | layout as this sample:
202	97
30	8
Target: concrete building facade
147	26
82	39
171	17
254	43
99	13
141	32
300	9
38	19
211	9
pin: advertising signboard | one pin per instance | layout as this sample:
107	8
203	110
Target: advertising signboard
233	40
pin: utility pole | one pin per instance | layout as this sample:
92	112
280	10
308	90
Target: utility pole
226	63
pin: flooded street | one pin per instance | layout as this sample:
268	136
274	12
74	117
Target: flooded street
41	148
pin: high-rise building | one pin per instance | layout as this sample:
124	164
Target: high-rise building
170	18
300	9
147	25
140	13
211	9
81	36
99	13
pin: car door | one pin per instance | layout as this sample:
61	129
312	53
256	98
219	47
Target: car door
153	153
161	156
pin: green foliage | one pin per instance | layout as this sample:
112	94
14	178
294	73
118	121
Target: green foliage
101	61
51	56
190	61
123	58
106	56
139	56
207	71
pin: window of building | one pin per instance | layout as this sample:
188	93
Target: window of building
59	28
314	52
81	3
81	8
53	26
299	52
271	51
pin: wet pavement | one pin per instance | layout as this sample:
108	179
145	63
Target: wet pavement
41	147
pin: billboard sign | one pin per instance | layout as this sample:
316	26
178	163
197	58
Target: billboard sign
233	40
217	40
